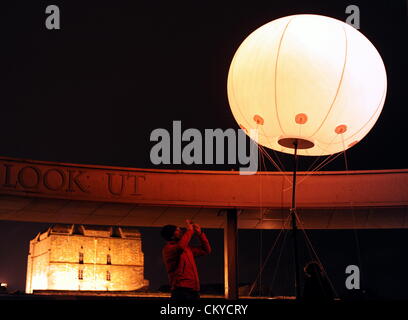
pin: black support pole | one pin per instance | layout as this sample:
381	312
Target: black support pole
294	226
231	255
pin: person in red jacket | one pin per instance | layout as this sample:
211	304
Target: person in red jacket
179	259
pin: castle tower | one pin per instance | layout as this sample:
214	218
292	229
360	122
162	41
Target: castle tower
79	257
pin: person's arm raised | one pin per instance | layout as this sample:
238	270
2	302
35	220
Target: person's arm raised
204	248
186	237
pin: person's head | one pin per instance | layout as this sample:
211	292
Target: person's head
171	232
312	269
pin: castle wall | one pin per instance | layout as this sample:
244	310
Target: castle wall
64	276
38	265
54	263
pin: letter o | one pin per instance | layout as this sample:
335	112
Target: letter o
48	185
23	183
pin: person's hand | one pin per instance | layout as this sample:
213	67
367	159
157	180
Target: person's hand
197	228
189	225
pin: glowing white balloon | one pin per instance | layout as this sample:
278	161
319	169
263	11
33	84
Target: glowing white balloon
307	77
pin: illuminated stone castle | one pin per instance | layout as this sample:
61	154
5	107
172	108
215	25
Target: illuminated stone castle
79	257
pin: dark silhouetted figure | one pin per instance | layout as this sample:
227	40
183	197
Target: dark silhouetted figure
179	259
317	286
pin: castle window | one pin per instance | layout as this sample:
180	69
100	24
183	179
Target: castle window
80	274
108	276
81	257
108	259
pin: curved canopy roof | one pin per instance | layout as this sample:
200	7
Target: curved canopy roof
67	193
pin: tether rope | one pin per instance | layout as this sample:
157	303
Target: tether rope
320	166
269	254
261	162
316	256
280	252
355	232
310	248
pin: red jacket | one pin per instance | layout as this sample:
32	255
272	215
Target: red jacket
178	257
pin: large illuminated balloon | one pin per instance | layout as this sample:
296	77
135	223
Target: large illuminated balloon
307	77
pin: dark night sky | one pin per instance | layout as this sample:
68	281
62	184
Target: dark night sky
92	92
